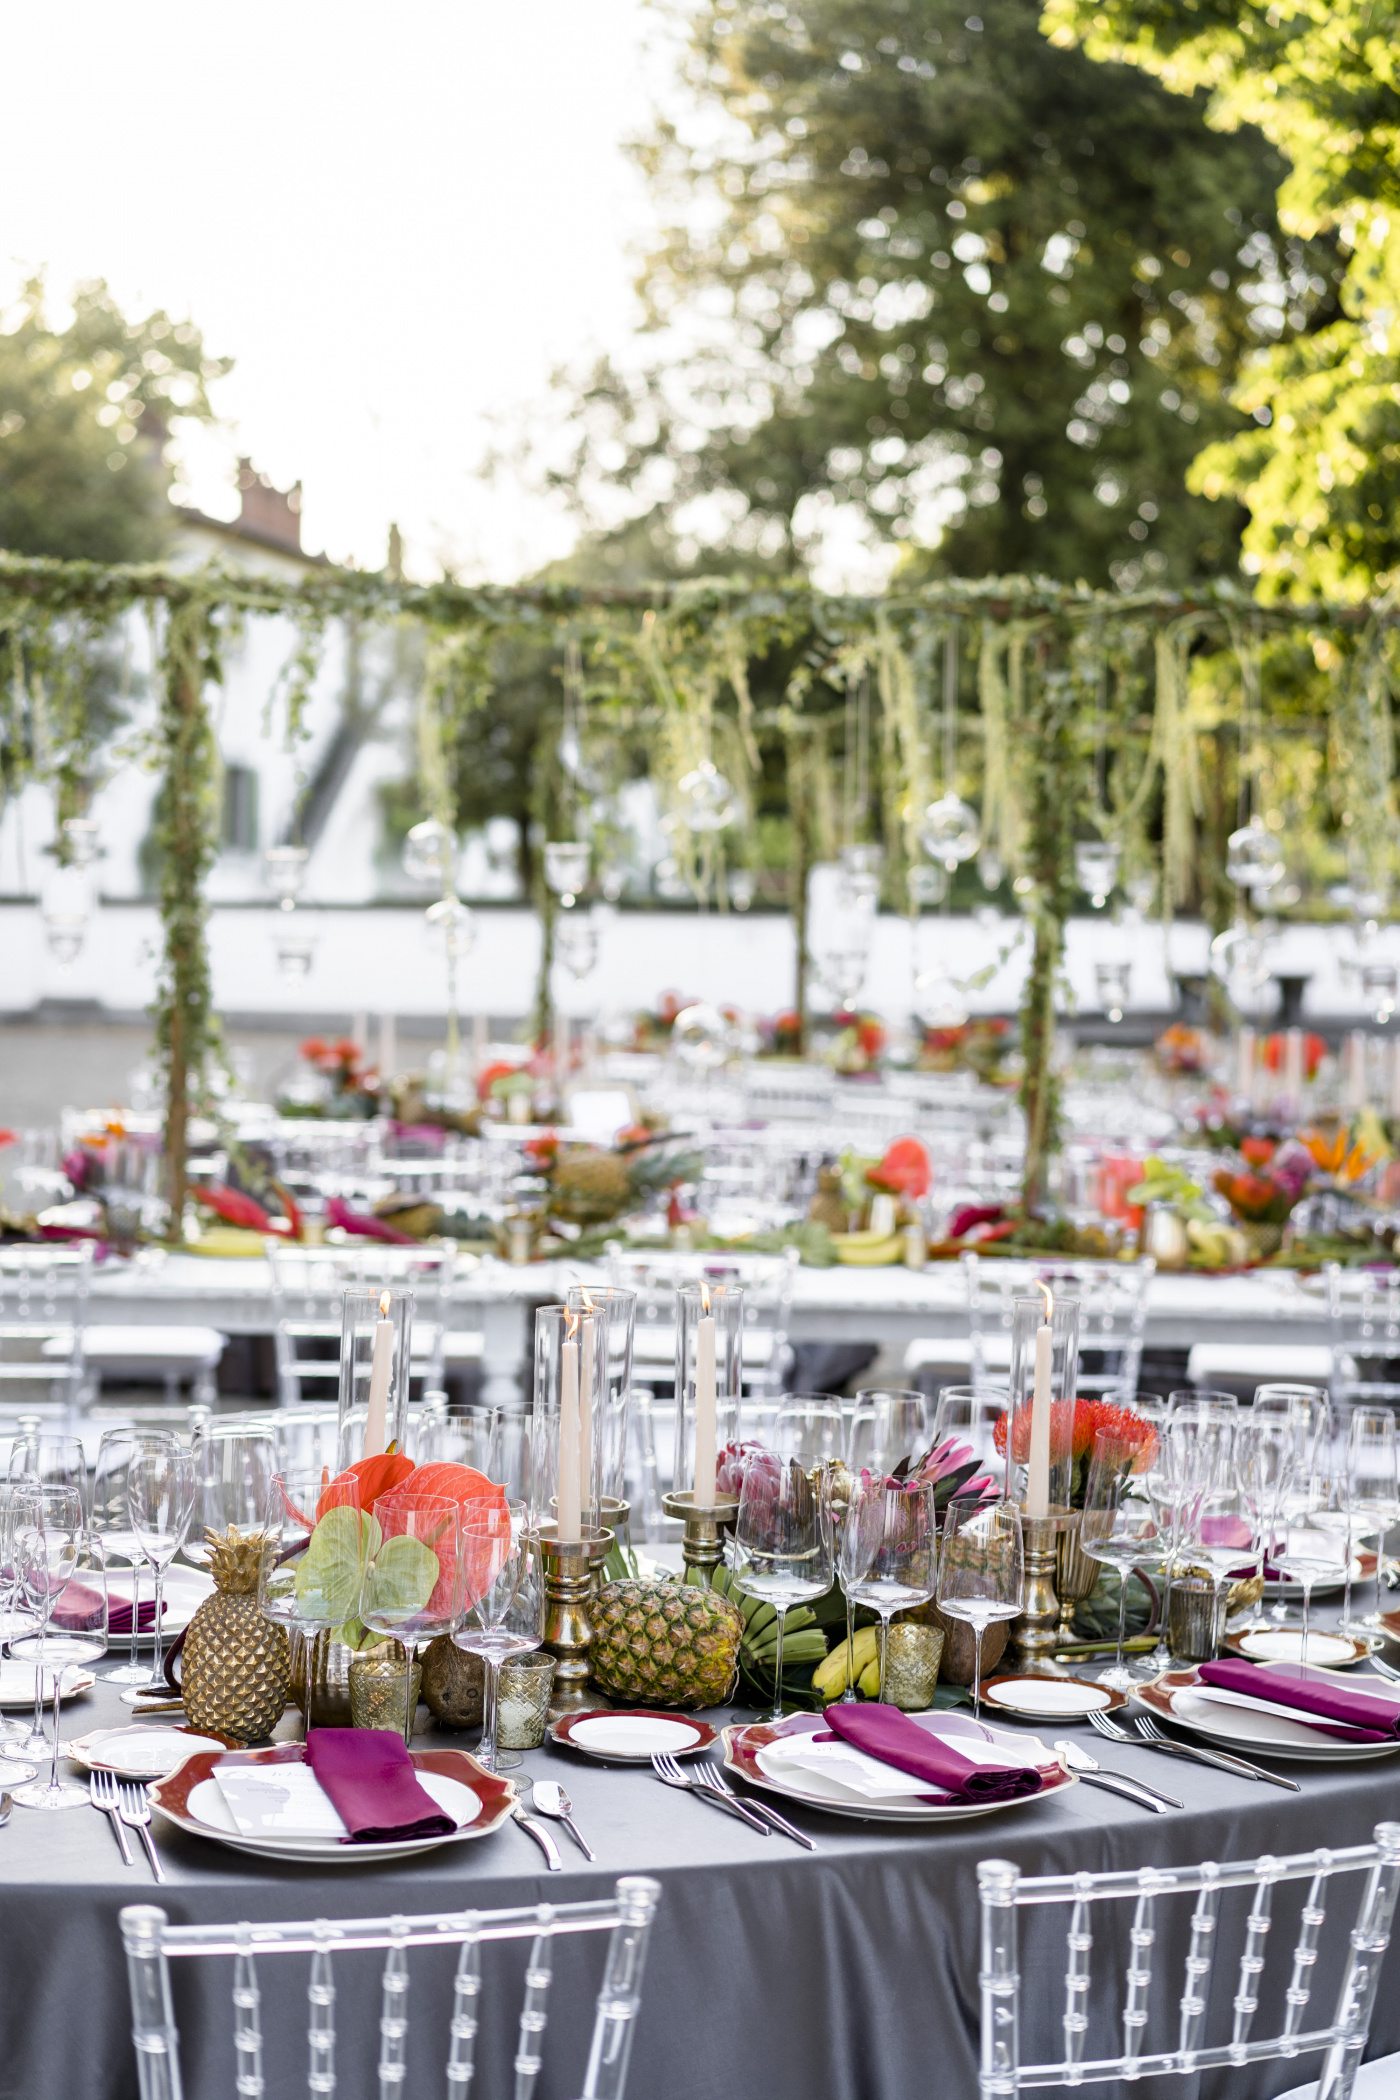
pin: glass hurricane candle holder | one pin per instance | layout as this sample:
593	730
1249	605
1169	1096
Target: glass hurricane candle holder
617	1309
709	1379
376	1334
1044	1358
571	1387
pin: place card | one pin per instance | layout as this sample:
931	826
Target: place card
278	1800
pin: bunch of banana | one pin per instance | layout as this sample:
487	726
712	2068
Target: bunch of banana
857	1661
1216	1246
803	1640
868	1250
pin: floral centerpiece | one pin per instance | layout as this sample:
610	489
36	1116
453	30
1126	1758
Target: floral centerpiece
1264	1193
346	1086
1091	1418
973	1046
859	1045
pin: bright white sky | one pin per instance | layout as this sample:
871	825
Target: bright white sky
397	219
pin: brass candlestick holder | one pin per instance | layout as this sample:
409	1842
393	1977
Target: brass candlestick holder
568	1628
1036	1633
705	1527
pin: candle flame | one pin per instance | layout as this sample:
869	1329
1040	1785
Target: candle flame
384	1302
1042	1285
571	1320
704	1297
589	1306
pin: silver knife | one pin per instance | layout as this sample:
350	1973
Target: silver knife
541	1837
1113	1785
1221	1759
781	1823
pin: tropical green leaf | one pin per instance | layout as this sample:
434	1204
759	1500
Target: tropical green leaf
330	1571
401	1578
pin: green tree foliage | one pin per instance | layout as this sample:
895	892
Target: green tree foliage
86	407
1320	471
933	268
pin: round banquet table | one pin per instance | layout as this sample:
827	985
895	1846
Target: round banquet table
848	1973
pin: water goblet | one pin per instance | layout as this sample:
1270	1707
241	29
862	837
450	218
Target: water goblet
503	1606
411	1584
310	1574
811	1428
160	1502
74	1631
781	1543
893	1556
887	1426
981	1572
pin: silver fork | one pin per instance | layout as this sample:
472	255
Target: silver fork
135	1812
102	1792
1152	1734
711	1776
670	1774
1114	1732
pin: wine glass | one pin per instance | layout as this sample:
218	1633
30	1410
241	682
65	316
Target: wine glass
846	1538
1120	1526
887	1426
160	1485
893	1556
503	1605
233	1469
811	1428
1204	1401
309	1578
48	1526
981	1571
1374	1493
1264	1457
73	1630
1307	1402
410	1587
968	1414
51	1460
111	1520
782	1542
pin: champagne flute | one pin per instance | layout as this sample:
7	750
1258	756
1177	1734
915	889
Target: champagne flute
894	1553
503	1606
111	1520
410	1588
47	1533
1119	1527
981	1571
305	1587
160	1502
1374	1493
1264	1457
782	1543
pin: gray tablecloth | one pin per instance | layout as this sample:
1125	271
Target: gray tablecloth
774	1974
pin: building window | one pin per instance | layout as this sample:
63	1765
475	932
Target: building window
238	831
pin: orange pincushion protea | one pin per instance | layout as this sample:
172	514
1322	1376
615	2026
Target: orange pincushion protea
1091	1418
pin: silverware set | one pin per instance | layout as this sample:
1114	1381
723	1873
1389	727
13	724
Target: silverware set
709	1783
1147	1734
126	1808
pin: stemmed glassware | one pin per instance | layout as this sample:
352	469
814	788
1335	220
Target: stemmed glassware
1120	1527
1374	1495
846	1546
50	1460
1264	1457
50	1543
306	1588
782	1542
410	1587
970	1413
811	1428
233	1469
892	1552
981	1571
885	1427
160	1502
503	1605
111	1521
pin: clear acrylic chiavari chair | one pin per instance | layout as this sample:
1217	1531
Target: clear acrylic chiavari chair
1183	2043
152	1942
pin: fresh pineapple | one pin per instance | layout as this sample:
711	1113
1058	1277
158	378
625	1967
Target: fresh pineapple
665	1643
234	1666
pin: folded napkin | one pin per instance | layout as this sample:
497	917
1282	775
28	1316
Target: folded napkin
883	1732
369	1776
1334	1709
80	1608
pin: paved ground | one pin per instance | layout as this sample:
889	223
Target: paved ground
46	1067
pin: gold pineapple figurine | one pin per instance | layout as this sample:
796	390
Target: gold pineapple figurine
235	1668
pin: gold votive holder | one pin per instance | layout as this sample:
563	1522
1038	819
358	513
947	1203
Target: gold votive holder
1075	1572
912	1656
1036	1633
705	1527
522	1710
379	1679
1195	1619
569	1570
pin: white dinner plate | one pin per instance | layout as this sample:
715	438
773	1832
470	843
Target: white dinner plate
138	1751
1051	1698
190	1796
632	1738
1240	1728
17	1684
744	1753
1326	1651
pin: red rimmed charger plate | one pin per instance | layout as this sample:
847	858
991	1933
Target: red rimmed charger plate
742	1743
480	1800
1259	1735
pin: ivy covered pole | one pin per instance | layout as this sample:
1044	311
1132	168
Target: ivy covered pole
185	832
1047	753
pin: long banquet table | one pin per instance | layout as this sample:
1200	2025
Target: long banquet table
843	1304
849	1973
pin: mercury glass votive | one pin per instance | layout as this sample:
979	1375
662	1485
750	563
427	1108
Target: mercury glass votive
527	1683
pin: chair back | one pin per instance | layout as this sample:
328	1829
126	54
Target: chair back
308	1291
1183	2046
152	1943
1363	1318
1112	1316
43	1311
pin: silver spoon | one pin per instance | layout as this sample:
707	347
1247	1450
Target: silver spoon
1089	1768
6	1801
551	1800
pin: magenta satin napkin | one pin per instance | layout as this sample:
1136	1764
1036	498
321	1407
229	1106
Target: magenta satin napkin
1361	1715
80	1608
884	1732
369	1776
